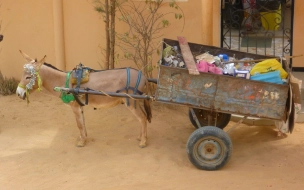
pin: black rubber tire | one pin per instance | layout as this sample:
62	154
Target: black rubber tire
202	116
209	148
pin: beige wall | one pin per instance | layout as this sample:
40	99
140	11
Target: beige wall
83	33
27	28
29	25
298	42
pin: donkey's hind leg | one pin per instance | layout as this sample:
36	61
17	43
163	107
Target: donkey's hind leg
78	112
141	116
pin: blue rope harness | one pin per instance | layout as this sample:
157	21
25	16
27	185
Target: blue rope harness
136	86
135	89
128	85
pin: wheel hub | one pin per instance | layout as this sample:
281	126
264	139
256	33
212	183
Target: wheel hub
209	149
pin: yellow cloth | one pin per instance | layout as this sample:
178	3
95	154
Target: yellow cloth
271	20
267	66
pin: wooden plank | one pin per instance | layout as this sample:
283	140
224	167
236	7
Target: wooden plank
187	55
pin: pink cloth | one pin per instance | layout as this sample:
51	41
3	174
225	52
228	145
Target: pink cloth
204	66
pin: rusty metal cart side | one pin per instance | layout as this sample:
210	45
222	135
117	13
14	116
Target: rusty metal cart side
216	97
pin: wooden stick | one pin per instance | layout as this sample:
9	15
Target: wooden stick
293	56
187	55
256	60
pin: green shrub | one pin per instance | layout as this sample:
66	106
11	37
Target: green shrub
8	86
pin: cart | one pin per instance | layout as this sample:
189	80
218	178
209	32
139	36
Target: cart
211	100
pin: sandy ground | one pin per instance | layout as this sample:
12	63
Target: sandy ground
38	151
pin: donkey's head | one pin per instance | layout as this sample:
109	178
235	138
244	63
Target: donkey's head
30	79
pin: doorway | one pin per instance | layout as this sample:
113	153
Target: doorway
262	27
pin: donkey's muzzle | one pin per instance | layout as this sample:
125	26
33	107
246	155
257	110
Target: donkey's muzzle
22	96
21	93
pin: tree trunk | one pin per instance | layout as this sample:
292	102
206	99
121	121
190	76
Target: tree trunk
107	21
112	33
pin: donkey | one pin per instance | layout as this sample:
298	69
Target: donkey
38	74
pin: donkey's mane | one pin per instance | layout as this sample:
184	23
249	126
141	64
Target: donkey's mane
52	66
92	70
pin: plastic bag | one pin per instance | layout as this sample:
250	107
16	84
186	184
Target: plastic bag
267	66
206	57
272	77
229	69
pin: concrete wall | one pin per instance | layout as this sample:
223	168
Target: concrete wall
37	28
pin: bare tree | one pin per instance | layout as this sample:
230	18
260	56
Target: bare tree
145	21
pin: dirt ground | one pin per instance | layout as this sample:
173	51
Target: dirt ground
38	151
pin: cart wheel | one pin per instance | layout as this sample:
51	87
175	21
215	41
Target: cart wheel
202	116
209	148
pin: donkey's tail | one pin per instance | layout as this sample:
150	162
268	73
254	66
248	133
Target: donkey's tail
147	103
148	110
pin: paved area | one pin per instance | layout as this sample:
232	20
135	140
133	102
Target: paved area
277	47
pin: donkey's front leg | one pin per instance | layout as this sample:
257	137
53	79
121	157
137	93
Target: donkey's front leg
78	112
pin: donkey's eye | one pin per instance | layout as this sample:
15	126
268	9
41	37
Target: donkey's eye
28	77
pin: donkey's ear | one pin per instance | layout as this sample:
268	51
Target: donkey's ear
26	56
42	60
39	63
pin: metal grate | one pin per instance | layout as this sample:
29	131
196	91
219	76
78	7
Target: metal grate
255	20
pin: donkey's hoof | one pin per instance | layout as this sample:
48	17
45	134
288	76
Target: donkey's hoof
142	145
81	143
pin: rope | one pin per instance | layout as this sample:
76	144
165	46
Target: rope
106	94
39	81
129	96
21	86
115	96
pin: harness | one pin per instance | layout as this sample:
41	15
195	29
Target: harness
79	77
65	97
35	75
135	89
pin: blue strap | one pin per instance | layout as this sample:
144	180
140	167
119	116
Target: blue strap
128	78
136	86
128	85
137	82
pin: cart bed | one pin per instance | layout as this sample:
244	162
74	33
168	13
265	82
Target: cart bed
221	93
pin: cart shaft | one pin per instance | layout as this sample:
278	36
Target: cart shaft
95	92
